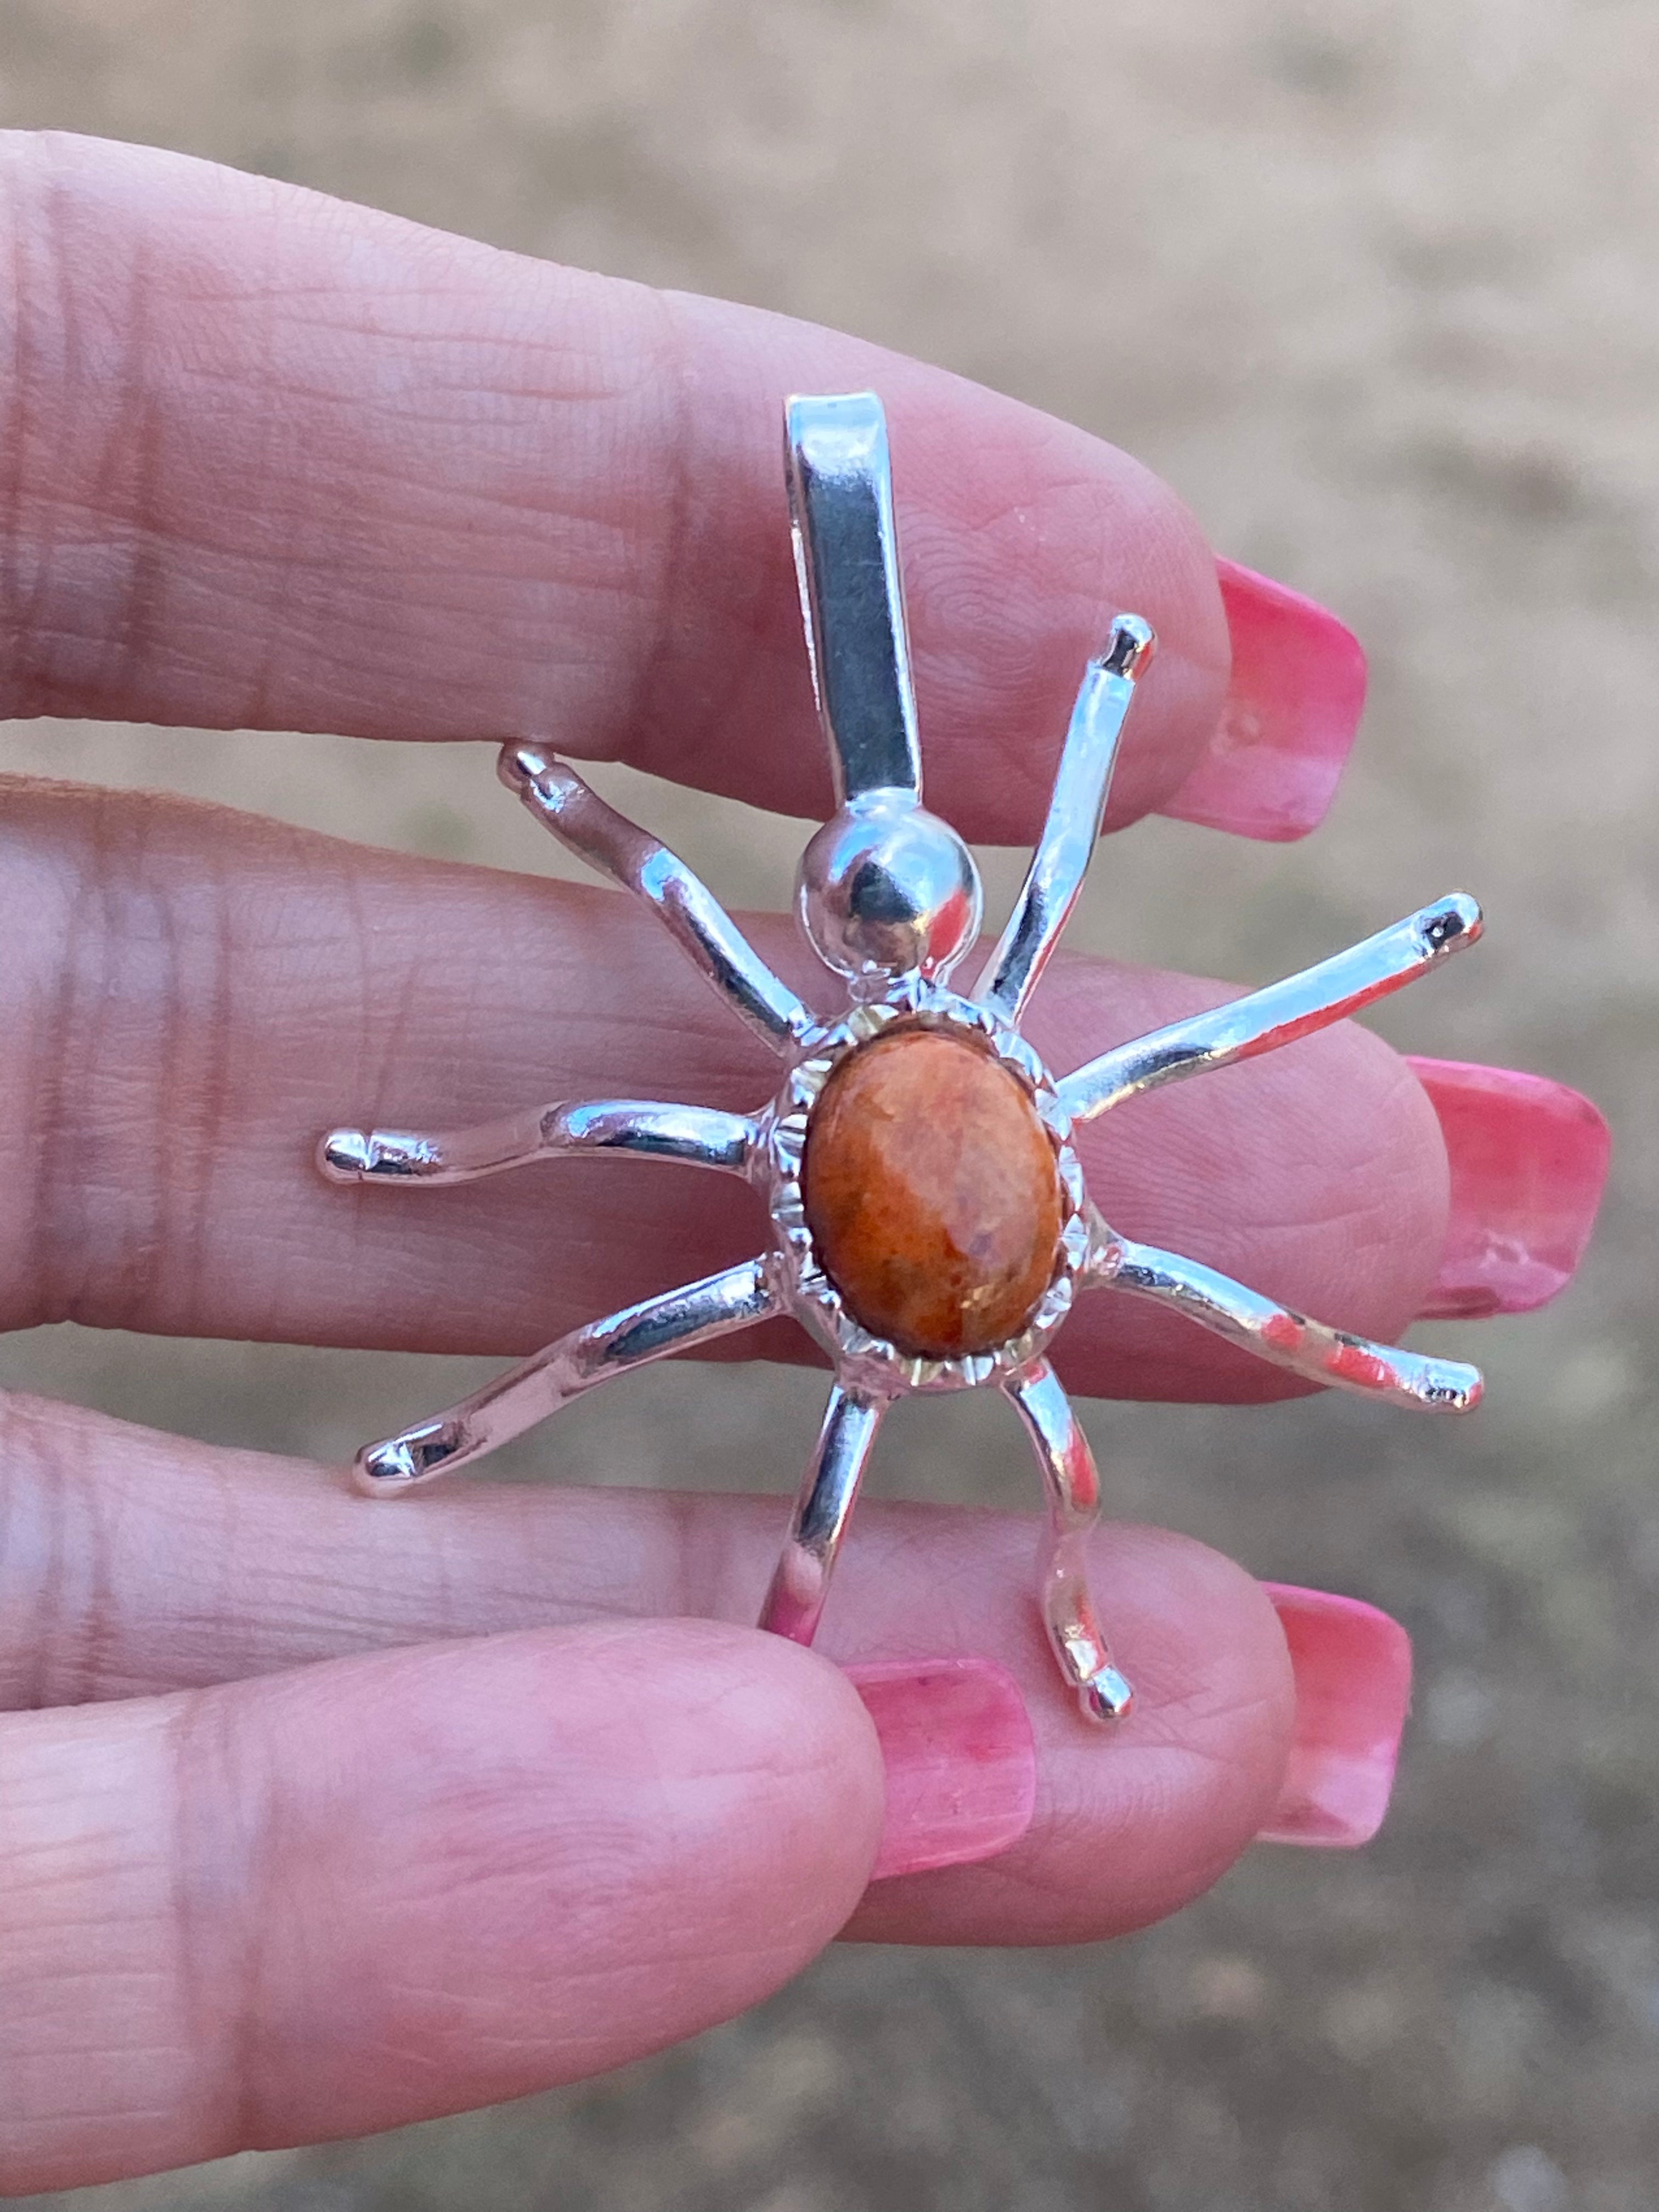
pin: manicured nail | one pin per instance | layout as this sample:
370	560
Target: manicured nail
1293	705
960	1759
1354	1684
1528	1159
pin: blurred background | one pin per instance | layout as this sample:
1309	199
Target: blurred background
1375	284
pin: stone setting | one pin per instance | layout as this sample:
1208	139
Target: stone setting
932	1191
863	1353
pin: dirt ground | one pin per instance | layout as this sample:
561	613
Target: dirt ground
1377	285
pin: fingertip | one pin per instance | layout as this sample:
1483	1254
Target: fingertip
1214	1721
1352	1668
775	1731
1274	758
958	1760
1528	1160
368	1892
543	1855
1376	1208
1134	1821
1181	697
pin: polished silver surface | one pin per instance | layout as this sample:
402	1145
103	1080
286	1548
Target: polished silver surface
1075	813
846	542
828	1490
1072	1486
1275	1333
889	896
641	863
696	1134
550	1378
885	890
1281	1012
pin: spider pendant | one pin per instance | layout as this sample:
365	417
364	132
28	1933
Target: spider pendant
930	1223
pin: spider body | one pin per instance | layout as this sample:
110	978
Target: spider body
930	1187
928	1207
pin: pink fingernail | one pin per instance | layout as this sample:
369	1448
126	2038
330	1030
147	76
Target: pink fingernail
1354	1685
960	1759
1528	1161
1293	705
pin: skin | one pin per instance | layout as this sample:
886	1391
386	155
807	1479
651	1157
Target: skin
315	1818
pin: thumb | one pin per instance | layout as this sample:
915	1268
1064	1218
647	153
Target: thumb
330	1901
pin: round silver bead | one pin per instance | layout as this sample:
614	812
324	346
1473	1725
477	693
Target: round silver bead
886	888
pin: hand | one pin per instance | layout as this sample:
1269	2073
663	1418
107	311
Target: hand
329	1817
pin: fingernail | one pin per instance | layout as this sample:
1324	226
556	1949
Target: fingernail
960	1760
1271	768
1354	1683
1528	1161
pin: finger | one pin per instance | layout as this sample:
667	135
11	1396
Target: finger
135	1563
192	996
335	1901
278	463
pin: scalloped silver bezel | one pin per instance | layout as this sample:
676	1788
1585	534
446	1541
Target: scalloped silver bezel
861	1357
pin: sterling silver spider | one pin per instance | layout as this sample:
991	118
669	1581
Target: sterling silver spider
888	896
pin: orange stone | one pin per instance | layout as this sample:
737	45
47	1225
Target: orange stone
932	1192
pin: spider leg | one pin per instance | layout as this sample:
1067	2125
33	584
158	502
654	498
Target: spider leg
1072	829
550	1378
694	1134
1074	1488
823	1507
1288	1339
688	910
1278	1014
